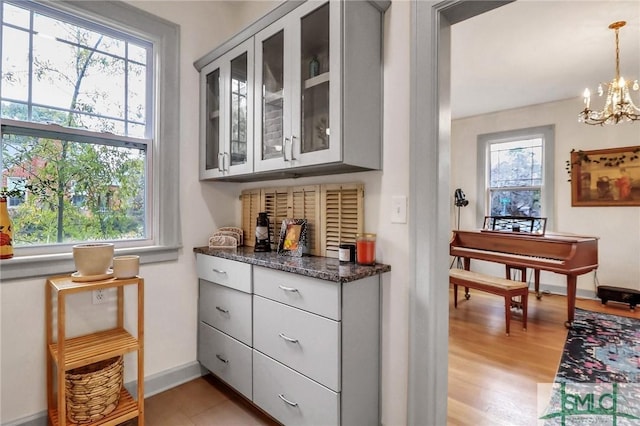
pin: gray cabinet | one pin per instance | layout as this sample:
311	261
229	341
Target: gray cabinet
317	90
314	352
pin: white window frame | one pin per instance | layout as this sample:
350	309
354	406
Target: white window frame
163	165
547	134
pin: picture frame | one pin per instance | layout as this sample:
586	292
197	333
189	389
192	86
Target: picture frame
605	177
293	237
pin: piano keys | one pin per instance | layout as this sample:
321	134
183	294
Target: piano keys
565	254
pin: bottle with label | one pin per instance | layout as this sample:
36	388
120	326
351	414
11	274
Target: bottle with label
314	67
6	233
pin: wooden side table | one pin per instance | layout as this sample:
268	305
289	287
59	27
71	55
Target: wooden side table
66	354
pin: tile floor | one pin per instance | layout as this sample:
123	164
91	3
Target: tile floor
200	402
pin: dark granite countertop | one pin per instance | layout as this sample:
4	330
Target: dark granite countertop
324	268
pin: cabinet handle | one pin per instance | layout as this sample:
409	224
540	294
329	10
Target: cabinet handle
228	162
226	361
293	139
284	148
219	271
291	403
221	162
224	311
290	289
287	338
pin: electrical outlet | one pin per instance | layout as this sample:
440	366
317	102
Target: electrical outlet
98	297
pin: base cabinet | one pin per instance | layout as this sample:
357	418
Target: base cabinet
314	353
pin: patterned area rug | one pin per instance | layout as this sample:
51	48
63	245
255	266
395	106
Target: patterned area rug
598	378
601	348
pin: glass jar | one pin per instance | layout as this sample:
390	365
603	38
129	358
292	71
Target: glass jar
366	249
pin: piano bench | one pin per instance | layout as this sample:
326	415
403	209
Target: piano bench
494	285
619	294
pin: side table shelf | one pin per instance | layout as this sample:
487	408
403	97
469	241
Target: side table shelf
68	353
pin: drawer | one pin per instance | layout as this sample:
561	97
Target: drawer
226	309
306	342
225	272
309	402
311	294
225	357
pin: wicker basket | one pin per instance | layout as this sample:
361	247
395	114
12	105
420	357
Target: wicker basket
93	391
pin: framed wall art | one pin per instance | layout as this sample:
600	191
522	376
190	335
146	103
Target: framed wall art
605	177
293	237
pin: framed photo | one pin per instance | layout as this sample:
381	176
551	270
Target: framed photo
605	177
293	237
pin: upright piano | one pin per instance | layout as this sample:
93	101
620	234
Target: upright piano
566	254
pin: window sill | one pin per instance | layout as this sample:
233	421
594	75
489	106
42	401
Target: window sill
62	263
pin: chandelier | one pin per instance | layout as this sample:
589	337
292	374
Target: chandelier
618	106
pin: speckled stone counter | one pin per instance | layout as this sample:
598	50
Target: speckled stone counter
324	268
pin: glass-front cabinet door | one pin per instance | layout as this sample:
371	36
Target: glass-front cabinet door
298	89
226	130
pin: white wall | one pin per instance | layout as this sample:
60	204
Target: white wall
617	227
171	288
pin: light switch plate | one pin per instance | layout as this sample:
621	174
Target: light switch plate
399	209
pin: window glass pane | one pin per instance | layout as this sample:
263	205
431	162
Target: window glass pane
14	110
516	164
15	64
136	91
137	53
75	191
515	203
15	15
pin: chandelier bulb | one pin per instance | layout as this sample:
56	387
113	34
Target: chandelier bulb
600	90
635	85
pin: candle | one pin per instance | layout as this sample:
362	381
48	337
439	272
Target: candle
366	249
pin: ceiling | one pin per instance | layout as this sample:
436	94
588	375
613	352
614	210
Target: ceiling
537	51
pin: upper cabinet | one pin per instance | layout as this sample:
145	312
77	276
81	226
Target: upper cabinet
314	75
226	119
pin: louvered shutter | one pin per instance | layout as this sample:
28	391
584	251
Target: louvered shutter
305	204
250	209
276	204
343	216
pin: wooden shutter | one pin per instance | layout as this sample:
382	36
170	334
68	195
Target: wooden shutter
334	213
305	204
276	204
251	204
343	217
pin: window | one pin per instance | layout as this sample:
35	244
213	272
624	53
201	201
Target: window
17	183
516	170
83	131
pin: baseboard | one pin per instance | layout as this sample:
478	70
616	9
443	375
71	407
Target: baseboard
153	384
562	291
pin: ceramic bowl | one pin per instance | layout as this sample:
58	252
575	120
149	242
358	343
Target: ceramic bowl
126	266
93	258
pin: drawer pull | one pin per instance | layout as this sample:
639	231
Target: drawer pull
224	311
290	289
287	338
219	271
293	404
226	361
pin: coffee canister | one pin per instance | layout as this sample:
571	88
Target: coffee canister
347	253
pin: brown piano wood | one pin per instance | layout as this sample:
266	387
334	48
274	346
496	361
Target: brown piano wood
566	254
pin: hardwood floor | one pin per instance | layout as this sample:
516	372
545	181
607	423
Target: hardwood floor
493	377
202	402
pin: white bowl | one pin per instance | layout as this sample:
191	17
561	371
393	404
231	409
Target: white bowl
126	266
93	258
